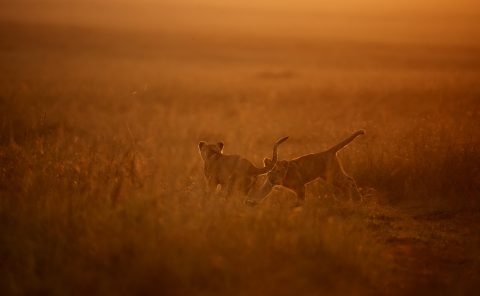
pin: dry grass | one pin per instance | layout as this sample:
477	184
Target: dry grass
101	188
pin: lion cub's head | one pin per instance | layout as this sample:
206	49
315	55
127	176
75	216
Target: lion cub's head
207	150
278	173
276	176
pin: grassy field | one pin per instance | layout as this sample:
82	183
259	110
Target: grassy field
101	182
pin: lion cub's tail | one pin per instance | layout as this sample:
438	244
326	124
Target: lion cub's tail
347	141
268	168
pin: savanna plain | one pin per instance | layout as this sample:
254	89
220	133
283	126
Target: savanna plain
101	183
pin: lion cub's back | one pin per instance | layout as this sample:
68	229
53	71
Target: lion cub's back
237	164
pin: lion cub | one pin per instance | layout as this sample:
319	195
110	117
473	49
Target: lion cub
294	174
231	172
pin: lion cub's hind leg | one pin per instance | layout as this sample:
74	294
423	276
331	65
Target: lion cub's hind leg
347	188
343	183
353	189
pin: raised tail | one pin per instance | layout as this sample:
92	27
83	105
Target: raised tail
347	141
269	167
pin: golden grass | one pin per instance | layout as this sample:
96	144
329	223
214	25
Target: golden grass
101	187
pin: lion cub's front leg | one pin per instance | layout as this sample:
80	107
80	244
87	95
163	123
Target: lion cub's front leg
300	192
227	187
211	185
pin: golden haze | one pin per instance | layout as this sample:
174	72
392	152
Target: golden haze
103	103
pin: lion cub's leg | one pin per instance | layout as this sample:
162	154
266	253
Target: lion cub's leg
348	187
228	187
211	185
353	189
300	192
343	182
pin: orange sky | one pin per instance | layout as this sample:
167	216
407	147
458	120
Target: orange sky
423	20
391	7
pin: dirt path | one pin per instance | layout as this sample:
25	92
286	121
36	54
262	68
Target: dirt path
430	251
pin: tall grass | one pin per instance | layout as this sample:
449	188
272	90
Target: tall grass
101	186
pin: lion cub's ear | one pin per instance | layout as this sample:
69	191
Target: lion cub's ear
201	144
267	161
220	145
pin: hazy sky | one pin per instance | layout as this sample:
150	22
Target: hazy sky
377	19
425	7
